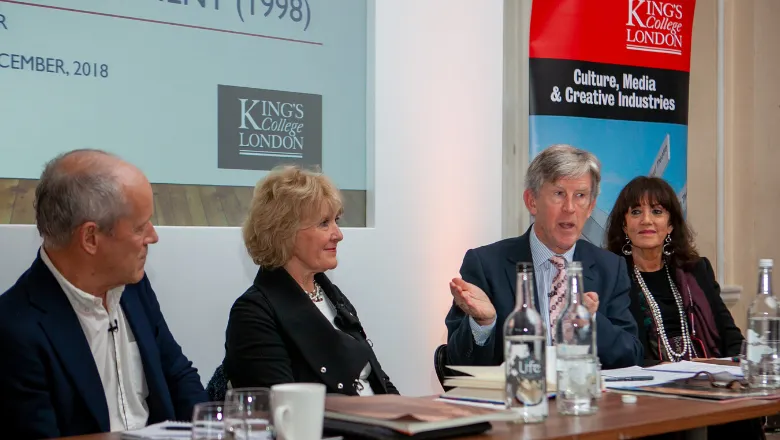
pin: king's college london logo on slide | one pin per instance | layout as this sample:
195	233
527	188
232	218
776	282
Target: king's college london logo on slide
259	128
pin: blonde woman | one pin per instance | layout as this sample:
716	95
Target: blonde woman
293	324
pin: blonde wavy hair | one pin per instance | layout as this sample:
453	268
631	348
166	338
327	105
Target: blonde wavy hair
287	200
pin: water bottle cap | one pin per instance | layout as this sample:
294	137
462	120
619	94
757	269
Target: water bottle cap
525	266
628	398
766	262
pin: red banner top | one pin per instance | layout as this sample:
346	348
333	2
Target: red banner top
646	33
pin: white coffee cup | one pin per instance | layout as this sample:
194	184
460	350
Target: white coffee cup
298	410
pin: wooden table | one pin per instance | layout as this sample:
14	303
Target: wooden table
617	420
649	416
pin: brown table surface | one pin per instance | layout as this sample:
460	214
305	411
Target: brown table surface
649	416
617	420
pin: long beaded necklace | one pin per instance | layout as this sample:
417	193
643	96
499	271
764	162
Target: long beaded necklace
316	294
656	311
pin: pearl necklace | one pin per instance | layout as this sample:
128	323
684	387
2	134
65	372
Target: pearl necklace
316	294
656	311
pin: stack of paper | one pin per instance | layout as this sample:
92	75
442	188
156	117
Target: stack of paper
695	367
492	378
482	385
663	373
486	384
658	377
161	431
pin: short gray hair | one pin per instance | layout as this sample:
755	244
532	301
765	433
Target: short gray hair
563	161
67	197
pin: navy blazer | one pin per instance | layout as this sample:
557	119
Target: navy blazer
493	269
49	383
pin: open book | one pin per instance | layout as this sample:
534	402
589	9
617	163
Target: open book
491	378
409	415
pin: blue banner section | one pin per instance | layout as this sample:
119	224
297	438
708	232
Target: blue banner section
626	149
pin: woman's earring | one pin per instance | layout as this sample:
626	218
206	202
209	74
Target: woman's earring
627	247
667	249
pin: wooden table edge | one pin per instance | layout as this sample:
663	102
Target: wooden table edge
723	412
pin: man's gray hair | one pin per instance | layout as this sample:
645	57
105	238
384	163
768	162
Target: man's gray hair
563	161
68	196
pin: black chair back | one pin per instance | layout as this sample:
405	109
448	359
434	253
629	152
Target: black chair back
440	365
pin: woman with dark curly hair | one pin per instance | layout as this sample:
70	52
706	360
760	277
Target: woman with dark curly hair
675	298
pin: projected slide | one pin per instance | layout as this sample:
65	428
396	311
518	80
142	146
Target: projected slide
205	96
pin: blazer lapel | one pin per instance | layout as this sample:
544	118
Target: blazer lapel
147	347
63	329
585	257
520	253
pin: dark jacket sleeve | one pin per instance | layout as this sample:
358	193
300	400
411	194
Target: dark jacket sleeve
182	378
26	410
616	330
461	348
391	389
255	353
730	335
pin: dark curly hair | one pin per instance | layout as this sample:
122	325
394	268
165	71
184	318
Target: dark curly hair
658	192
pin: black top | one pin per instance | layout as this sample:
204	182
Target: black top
276	334
729	334
658	285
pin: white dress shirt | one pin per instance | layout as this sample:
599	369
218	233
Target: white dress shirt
544	273
327	309
116	353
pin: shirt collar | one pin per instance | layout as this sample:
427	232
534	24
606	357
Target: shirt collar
541	254
78	297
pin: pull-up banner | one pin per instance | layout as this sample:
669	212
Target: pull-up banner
611	77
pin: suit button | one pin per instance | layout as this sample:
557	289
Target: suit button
323	369
340	386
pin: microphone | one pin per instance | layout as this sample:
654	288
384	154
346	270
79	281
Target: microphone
114	328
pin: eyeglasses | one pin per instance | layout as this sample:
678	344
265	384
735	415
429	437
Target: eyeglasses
719	380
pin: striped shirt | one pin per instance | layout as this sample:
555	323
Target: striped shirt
544	273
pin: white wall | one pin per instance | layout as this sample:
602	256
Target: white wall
437	176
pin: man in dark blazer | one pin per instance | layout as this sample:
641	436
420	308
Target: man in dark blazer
84	347
562	184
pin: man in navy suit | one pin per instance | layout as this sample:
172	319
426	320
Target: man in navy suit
84	347
562	184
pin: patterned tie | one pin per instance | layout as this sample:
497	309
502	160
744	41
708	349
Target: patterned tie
557	294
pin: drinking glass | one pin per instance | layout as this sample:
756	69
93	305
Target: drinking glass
208	420
250	414
743	364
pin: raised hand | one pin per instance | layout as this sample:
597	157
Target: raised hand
473	301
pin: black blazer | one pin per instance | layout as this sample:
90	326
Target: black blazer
276	334
730	335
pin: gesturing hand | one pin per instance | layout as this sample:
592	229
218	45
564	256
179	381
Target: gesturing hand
473	301
591	301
